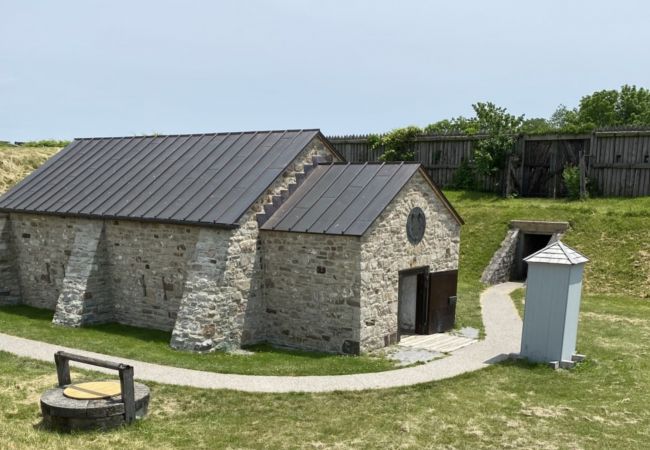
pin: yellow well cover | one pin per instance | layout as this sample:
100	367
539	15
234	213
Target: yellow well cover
93	390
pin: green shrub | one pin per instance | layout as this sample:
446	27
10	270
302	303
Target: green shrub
571	177
464	177
397	145
45	143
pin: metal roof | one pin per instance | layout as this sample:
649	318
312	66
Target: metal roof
342	198
203	179
557	253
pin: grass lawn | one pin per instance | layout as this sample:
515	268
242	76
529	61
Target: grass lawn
153	346
601	404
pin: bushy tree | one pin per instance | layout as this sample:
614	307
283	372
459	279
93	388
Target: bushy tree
609	108
537	125
455	125
500	127
397	145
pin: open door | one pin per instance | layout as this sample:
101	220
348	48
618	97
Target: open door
413	301
422	308
442	301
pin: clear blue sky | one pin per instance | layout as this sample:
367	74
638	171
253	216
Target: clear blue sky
104	68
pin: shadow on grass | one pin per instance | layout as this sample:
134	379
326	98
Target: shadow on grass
43	318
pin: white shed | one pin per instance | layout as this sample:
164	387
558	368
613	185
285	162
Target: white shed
553	291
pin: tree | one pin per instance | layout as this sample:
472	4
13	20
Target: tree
500	127
537	125
610	108
455	125
599	109
633	106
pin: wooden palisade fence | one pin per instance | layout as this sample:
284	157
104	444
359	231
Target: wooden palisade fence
615	163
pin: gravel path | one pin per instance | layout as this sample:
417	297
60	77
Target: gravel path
503	335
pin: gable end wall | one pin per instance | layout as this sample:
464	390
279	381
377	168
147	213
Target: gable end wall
386	250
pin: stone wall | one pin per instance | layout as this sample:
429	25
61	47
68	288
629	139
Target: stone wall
500	267
311	290
43	245
222	303
147	264
136	274
9	285
386	250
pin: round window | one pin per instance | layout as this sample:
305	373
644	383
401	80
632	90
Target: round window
415	225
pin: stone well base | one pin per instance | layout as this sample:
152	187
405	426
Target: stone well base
66	414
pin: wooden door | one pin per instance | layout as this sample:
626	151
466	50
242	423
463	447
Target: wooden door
422	304
442	301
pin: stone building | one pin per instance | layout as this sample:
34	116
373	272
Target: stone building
229	239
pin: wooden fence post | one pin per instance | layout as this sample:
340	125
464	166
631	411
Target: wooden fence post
128	392
583	175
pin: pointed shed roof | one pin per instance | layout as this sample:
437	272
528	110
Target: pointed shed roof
557	253
346	198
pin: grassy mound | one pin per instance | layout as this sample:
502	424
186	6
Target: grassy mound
18	162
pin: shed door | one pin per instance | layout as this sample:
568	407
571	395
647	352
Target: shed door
442	301
422	305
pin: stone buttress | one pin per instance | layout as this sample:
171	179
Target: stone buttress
83	299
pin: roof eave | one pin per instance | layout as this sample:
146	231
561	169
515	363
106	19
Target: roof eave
226	226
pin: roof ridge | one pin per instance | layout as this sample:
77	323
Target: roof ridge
358	163
217	133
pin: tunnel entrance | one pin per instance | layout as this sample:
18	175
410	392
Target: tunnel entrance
528	244
523	238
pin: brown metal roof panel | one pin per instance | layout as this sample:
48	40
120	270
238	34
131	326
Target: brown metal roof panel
329	191
174	175
107	180
181	178
112	187
23	187
241	164
343	200
47	180
368	193
194	182
258	176
67	177
286	216
210	190
141	174
78	189
383	198
169	174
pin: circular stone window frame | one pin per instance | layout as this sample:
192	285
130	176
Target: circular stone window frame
415	235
